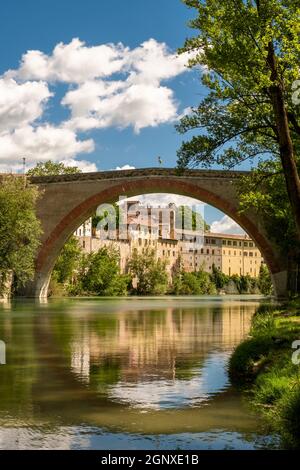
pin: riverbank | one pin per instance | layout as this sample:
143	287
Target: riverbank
267	367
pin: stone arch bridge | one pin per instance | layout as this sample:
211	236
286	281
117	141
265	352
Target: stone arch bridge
68	200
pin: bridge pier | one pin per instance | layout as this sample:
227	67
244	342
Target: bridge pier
280	283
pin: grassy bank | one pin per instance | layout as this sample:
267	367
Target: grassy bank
264	365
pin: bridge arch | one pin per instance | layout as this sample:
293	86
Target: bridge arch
76	212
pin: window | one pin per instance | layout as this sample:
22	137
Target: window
223	242
229	252
245	253
213	242
251	244
229	243
83	244
212	252
207	251
251	253
234	253
234	243
245	243
202	251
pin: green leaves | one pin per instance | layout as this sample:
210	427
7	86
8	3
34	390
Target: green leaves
52	168
231	46
19	228
149	272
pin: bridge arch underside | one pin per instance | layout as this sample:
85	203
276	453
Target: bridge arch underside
55	240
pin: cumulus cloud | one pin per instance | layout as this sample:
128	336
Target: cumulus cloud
226	225
110	85
21	104
40	144
77	63
84	165
73	63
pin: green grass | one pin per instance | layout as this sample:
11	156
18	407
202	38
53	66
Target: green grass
263	364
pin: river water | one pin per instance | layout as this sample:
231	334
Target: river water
126	373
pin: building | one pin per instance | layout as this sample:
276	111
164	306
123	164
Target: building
232	254
155	228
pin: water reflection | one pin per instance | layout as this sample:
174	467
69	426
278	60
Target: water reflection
129	365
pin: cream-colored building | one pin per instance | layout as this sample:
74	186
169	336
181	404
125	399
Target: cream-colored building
154	228
232	254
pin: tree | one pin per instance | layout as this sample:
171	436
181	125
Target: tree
193	283
68	261
264	281
49	168
150	273
102	276
19	229
250	53
218	278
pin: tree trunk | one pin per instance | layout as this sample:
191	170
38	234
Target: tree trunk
286	147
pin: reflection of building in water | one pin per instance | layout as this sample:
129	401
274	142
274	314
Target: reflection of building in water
167	343
156	228
80	358
24	438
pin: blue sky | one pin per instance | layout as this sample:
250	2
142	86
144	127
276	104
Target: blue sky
46	128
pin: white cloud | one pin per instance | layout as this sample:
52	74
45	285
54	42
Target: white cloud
125	167
83	165
153	62
72	63
164	199
40	144
226	225
77	63
110	85
21	104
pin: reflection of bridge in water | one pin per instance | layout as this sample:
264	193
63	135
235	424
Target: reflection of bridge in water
103	362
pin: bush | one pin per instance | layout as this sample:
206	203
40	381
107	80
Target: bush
248	358
102	274
289	416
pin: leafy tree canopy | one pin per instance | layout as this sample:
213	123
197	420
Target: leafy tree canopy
249	53
19	228
49	168
150	272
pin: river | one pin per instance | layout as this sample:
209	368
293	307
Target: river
125	373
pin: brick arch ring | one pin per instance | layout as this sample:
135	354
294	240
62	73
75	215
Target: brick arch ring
54	243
